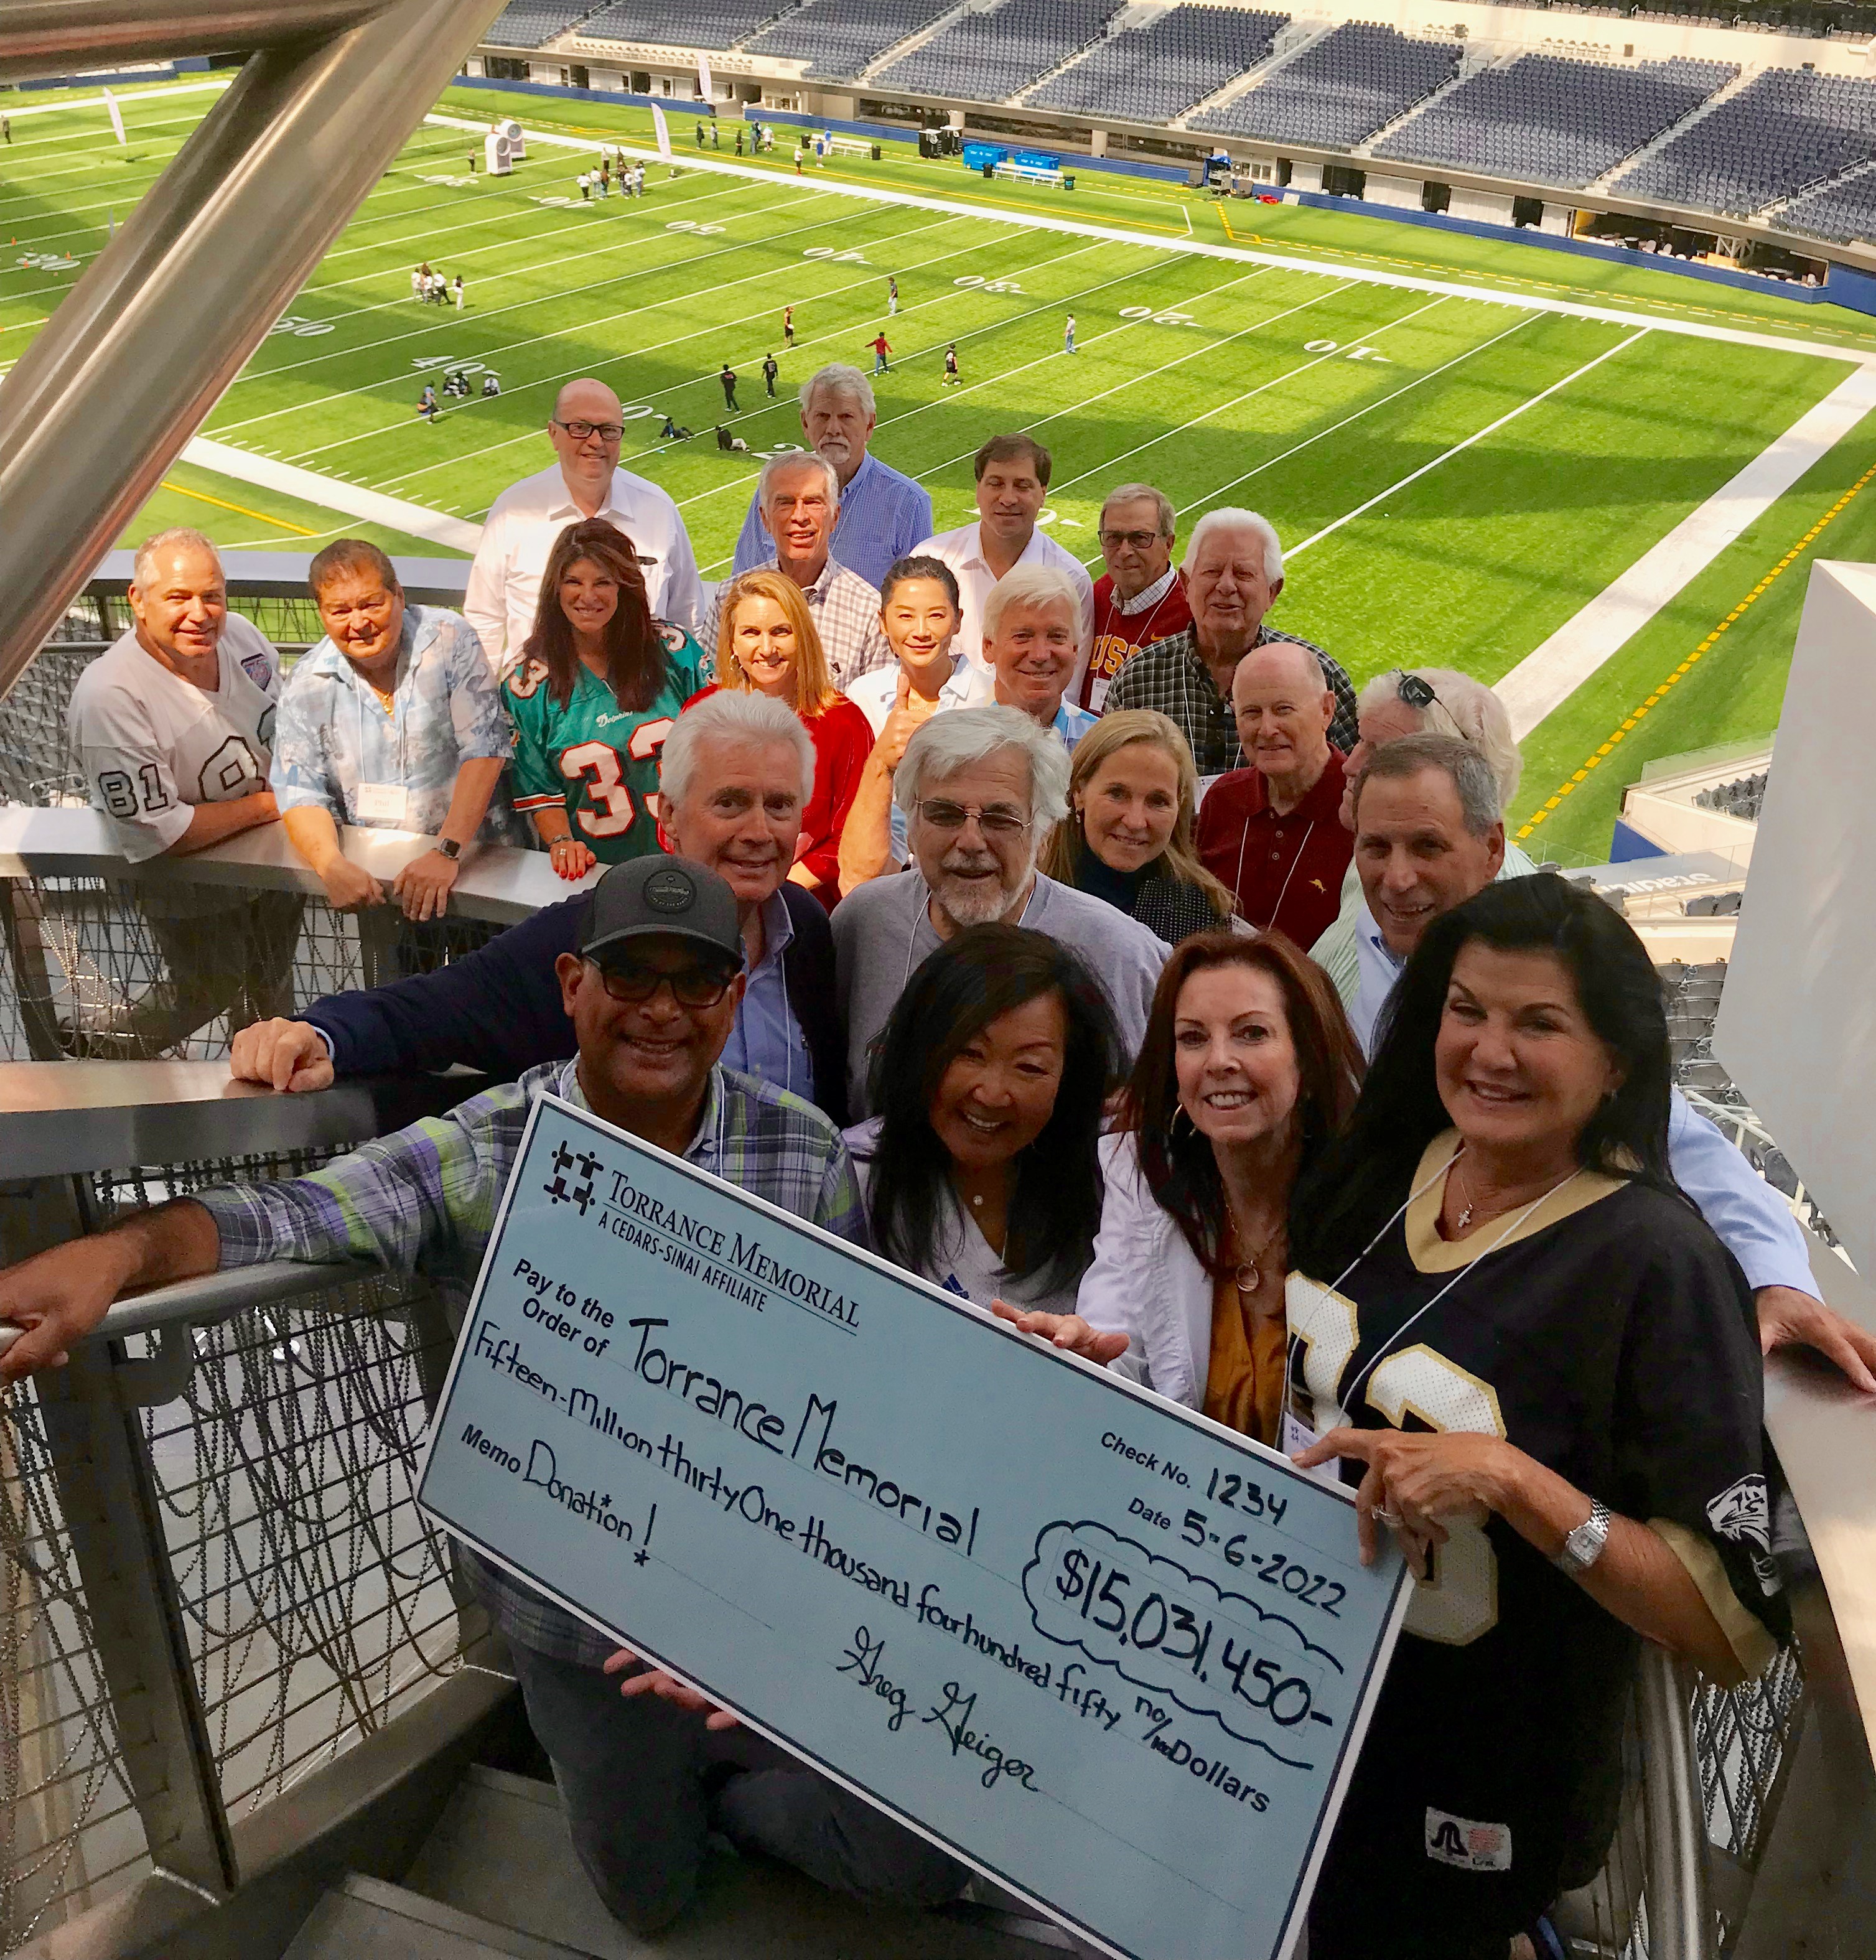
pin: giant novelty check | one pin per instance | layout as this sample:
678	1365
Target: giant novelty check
1114	1656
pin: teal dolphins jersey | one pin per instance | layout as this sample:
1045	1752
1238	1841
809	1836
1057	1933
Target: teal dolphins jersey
598	760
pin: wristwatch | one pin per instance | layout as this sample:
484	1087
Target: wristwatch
447	847
1584	1544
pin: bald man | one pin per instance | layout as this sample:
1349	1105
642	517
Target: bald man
1272	832
584	481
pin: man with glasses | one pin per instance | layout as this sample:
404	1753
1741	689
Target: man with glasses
585	481
798	495
1141	597
652	990
979	788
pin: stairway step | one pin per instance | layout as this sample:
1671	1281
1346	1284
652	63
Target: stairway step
365	1919
502	1851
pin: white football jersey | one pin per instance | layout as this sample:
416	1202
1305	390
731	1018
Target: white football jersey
152	745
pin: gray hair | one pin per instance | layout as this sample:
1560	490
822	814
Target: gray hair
950	742
1466	705
837	378
179	537
730	715
1470	774
785	459
1141	493
1030	585
1228	518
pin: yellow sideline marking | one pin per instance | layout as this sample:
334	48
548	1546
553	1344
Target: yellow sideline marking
202	497
1687	666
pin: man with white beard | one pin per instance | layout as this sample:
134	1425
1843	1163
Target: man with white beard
981	788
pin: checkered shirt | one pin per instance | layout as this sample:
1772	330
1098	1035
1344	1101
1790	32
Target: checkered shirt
1170	676
426	1198
846	611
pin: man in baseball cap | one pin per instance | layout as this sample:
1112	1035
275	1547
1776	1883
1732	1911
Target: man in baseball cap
653	991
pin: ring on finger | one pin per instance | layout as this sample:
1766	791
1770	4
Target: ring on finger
1391	1519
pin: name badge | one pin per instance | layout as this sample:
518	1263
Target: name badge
1204	787
1295	1436
380	803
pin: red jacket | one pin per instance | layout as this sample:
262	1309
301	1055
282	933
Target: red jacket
1119	636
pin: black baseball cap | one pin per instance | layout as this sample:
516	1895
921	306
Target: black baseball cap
677	898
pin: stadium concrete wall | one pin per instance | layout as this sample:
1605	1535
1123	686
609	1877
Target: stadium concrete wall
123	77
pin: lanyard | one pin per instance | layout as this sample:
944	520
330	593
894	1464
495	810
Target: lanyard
1243	842
1347	1396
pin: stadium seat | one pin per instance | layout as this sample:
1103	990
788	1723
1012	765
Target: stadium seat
683	23
1786	130
841	37
1545	120
1340	90
1842	211
1153	74
990	56
531	23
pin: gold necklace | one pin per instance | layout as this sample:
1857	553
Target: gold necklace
1249	1275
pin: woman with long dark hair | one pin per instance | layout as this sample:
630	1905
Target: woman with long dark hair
981	1167
598	685
1543	1367
1247	1070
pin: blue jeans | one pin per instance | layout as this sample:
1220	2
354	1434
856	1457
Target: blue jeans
645	1782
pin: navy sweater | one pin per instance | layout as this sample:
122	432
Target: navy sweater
498	1009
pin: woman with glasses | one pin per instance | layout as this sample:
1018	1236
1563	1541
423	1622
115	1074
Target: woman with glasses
1405	702
767	644
1133	792
599	685
1515	1333
979	1165
1248	1070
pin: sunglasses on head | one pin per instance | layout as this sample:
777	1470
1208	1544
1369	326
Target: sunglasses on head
1419	694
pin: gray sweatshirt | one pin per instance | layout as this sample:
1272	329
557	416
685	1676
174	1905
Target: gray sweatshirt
882	931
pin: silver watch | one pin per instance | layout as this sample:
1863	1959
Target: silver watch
1584	1544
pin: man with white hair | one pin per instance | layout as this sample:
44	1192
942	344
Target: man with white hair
1140	598
584	481
1031	643
798	498
1405	702
979	788
1013	484
1429	834
1272	833
174	727
882	515
1234	571
737	770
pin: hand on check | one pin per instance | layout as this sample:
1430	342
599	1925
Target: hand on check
650	1680
1064	1330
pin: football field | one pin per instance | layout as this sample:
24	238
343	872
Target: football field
1459	455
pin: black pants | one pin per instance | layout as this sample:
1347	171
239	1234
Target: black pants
637	1776
728	394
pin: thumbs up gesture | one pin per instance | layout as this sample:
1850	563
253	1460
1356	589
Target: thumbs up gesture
909	711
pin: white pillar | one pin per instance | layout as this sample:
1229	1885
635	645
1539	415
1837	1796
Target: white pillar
1401	193
1305	177
1556	218
1098	144
1483	207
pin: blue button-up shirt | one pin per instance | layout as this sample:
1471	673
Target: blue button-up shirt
334	734
883	516
767	1041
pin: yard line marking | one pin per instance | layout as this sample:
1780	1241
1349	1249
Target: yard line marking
1200	248
1546	677
312	488
637	353
161	92
222	503
1477	435
1478	347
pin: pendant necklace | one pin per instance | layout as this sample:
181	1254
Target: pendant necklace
1249	1275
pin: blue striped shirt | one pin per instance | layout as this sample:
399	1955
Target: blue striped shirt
883	516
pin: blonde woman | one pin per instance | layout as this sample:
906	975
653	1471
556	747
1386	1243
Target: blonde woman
1133	792
767	644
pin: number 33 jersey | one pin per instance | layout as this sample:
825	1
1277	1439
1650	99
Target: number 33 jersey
152	745
598	760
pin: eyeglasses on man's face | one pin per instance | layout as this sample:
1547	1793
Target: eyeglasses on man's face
1140	540
691	986
579	430
999	820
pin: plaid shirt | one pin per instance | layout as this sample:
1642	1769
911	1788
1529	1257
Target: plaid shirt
846	611
427	1196
1170	677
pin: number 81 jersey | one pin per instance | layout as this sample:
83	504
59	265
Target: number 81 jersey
597	760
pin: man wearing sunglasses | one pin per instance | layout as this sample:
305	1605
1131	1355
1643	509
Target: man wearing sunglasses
981	788
652	991
586	429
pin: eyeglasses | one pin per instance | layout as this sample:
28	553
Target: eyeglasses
1139	540
1419	694
607	431
994	822
692	987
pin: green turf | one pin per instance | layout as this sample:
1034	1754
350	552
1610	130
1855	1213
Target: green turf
1299	392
